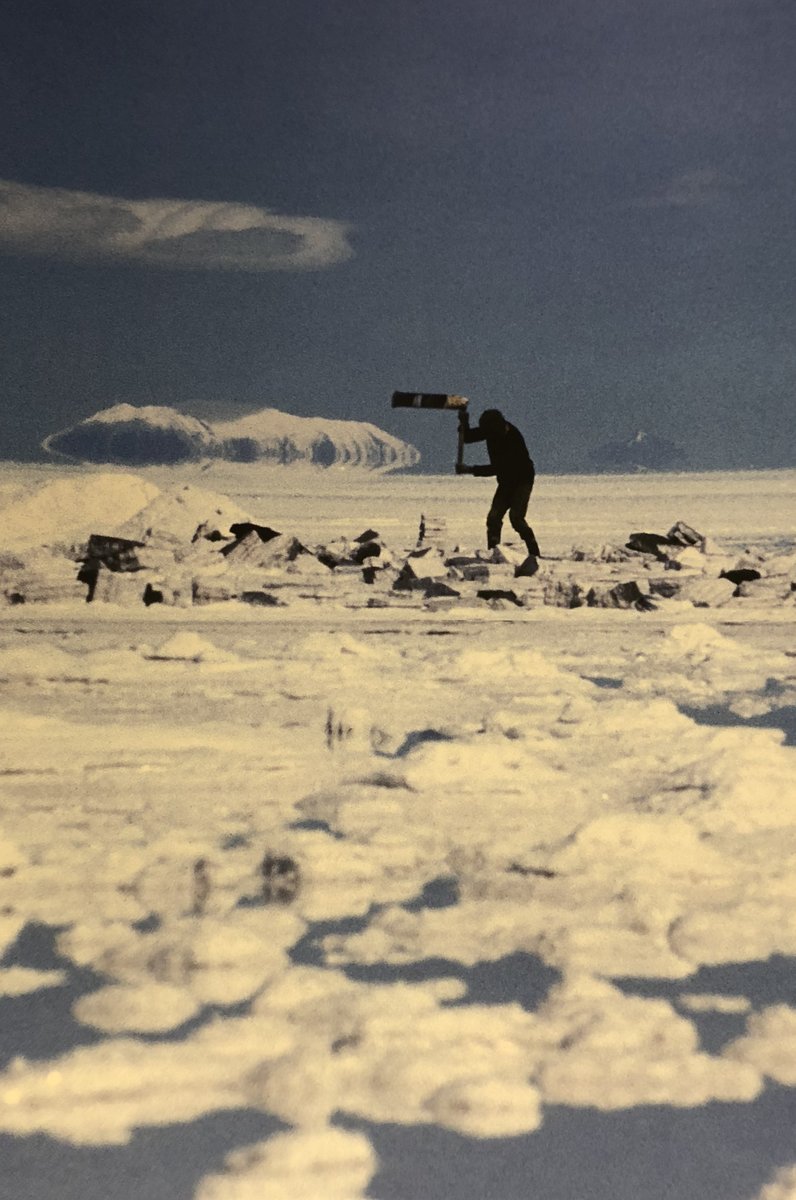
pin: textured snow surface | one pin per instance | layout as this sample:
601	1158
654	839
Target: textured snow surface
68	508
328	1162
175	514
291	859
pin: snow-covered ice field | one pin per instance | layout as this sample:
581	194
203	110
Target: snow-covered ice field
415	901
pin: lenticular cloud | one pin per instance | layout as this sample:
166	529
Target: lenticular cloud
197	234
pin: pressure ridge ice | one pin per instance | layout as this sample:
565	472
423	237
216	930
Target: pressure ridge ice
112	537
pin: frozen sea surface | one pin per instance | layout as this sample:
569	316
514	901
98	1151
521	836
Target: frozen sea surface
741	507
404	904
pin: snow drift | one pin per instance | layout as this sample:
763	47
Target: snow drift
64	510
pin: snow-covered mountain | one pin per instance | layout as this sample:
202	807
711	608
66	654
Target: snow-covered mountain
149	435
280	437
642	452
135	437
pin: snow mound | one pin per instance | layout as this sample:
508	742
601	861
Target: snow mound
652	1052
149	1008
69	509
769	1044
138	436
329	1162
176	514
187	646
45	662
510	664
696	664
98	1095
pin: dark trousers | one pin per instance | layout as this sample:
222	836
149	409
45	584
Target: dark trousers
511	498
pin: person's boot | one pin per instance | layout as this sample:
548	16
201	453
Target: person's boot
528	568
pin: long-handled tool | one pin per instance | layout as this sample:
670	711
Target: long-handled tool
436	400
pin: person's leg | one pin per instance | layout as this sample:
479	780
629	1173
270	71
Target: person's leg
501	502
517	510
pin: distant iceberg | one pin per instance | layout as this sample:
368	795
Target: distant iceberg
152	435
642	452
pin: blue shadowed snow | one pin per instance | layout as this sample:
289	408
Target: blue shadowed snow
308	951
764	982
521	977
157	1164
717	1152
40	1025
318	827
417	737
720	715
518	978
442	892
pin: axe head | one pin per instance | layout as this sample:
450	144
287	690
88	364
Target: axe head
427	400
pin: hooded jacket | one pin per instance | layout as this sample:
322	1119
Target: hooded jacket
509	459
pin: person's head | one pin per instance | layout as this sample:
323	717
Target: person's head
492	421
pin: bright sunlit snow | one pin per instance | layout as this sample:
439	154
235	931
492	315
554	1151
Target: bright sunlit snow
362	838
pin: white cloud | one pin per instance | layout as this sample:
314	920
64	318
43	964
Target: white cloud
195	234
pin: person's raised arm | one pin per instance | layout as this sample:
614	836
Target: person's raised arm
468	434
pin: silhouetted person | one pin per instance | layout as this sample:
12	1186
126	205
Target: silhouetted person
511	463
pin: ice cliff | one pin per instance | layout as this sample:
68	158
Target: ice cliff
140	436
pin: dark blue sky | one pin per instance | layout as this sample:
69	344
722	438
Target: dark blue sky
580	212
